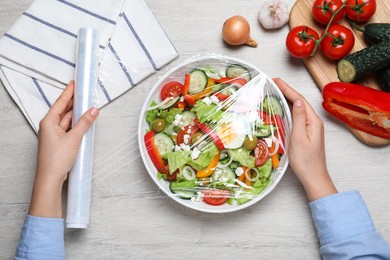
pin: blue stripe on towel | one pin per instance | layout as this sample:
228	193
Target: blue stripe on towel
41	92
121	64
100	83
87	12
49	24
39	50
139	41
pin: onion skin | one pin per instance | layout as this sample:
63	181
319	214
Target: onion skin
236	31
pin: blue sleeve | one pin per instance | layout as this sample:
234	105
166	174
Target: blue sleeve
41	238
345	228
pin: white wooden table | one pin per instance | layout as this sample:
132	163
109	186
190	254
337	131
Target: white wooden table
131	218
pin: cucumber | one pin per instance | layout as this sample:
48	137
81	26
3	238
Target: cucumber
198	81
170	103
357	65
238	71
376	32
164	143
273	106
224	175
187	118
263	131
184	189
384	78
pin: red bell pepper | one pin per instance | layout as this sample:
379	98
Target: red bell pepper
240	81
211	133
190	101
358	106
153	151
277	121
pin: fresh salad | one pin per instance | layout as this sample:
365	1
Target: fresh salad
217	134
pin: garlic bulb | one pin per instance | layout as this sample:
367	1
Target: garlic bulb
273	14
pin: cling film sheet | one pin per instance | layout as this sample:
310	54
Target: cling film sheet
214	133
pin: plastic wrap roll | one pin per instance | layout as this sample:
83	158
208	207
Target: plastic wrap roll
79	187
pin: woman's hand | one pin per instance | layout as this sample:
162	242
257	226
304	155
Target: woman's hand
57	151
306	148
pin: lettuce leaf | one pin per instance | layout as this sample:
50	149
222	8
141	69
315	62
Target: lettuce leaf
151	115
178	159
169	114
243	156
207	113
256	189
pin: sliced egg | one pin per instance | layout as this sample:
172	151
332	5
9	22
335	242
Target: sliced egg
231	133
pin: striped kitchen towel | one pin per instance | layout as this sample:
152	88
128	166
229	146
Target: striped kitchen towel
37	55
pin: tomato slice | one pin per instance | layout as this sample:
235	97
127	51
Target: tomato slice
261	153
171	89
215	197
188	130
221	96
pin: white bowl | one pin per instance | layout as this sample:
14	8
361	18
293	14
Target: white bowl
177	74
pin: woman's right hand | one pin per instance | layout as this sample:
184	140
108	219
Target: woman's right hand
306	149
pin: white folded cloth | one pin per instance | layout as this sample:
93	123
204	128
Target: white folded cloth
38	54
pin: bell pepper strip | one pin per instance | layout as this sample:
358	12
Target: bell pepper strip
210	168
240	81
358	106
190	101
221	96
275	156
277	121
153	151
211	133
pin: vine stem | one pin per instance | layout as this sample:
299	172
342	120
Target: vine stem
326	29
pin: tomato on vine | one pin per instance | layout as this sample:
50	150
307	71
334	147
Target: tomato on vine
338	42
323	10
360	10
301	41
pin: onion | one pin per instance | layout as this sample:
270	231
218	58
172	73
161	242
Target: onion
236	31
276	141
230	153
188	173
248	174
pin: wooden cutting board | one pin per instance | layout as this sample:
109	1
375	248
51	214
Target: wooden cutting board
323	70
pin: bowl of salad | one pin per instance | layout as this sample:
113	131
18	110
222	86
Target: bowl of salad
213	133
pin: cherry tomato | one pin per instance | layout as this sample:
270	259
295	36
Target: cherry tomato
323	10
338	43
300	41
215	197
180	105
171	89
261	153
360	10
170	176
188	130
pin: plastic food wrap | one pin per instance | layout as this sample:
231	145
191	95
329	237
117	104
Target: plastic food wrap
79	187
213	134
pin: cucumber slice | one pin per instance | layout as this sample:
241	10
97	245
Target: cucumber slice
238	71
170	103
187	118
198	81
273	106
184	189
224	175
164	143
263	131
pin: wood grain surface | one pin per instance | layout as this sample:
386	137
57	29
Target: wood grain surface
323	70
131	218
